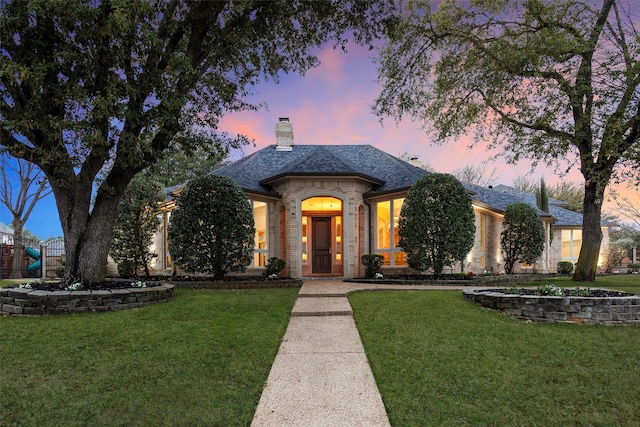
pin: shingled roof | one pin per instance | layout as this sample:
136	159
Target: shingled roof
564	217
256	172
499	200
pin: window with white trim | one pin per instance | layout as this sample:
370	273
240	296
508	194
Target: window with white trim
571	241
261	240
387	237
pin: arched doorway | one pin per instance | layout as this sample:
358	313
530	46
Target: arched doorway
321	240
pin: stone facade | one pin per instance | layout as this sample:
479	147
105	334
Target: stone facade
294	191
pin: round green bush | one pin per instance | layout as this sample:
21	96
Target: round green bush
60	271
565	267
212	230
436	224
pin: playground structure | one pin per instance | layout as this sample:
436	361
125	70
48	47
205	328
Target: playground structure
33	263
33	270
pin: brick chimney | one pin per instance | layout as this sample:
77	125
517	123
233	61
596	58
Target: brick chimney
284	135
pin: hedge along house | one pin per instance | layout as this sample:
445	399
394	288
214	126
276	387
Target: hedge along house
321	207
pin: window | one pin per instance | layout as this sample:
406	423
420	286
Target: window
338	250
261	248
571	244
483	240
165	226
304	245
388	240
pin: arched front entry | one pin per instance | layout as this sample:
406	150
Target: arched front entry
322	246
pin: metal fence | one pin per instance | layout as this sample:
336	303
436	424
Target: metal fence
36	259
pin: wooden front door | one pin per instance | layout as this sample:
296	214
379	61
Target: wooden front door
321	245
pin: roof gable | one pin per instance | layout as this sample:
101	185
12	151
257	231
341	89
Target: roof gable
320	161
257	171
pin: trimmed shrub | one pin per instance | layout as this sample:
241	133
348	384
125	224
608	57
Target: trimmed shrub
212	229
274	265
372	264
436	224
522	238
126	269
634	268
565	267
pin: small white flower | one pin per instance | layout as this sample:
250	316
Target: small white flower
379	276
138	284
74	287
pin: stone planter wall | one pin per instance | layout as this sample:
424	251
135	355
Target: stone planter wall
623	310
15	301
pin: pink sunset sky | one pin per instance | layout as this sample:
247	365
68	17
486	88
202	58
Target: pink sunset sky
331	104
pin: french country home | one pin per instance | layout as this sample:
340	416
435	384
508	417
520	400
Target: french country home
321	207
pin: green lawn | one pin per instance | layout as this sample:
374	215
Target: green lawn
200	359
440	360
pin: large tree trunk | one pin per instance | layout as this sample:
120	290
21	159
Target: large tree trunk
88	249
587	266
88	232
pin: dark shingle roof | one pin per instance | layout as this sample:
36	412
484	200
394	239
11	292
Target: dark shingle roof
564	217
387	173
499	200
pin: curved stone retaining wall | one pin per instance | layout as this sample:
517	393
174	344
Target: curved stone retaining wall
15	301
589	310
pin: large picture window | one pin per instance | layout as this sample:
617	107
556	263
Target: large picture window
166	217
261	248
571	244
387	244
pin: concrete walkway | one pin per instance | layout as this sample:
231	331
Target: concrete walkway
321	376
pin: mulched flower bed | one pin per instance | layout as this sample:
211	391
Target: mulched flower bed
583	293
107	285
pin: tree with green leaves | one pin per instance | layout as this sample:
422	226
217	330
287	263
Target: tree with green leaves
93	92
212	229
136	223
555	82
522	238
436	224
202	153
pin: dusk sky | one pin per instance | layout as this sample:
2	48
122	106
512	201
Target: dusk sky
331	104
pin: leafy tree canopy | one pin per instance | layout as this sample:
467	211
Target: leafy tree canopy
554	81
436	224
201	153
93	92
